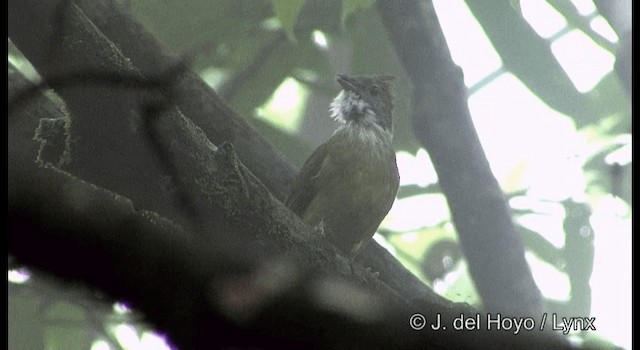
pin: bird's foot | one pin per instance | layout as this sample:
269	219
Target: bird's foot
374	273
319	229
352	261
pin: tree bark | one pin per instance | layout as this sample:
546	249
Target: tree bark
207	295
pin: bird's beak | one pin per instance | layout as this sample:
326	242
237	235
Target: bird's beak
346	82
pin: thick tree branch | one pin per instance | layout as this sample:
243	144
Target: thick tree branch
192	284
443	125
240	209
202	105
24	121
192	95
206	293
106	121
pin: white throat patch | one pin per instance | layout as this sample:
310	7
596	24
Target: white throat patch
363	127
348	102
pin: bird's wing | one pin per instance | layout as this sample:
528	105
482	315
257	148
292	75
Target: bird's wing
305	186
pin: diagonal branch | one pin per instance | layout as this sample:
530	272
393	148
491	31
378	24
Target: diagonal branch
201	105
207	293
193	96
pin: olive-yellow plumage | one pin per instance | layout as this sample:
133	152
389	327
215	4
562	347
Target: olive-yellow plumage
349	183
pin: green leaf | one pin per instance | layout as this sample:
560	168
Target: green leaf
351	6
287	12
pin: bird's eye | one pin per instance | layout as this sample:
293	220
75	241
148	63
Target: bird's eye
375	90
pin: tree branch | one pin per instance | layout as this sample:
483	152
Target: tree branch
201	104
243	269
193	96
443	125
209	294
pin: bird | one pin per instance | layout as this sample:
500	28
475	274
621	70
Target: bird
349	183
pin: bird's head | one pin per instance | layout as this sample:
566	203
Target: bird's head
364	100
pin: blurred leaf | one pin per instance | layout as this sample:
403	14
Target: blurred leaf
66	311
284	61
610	95
351	6
66	337
440	259
608	177
67	327
374	54
260	85
292	147
462	289
287	12
593	340
224	25
415	243
323	15
415	190
412	248
24	322
620	176
516	5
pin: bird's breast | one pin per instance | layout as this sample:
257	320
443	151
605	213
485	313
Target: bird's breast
357	184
